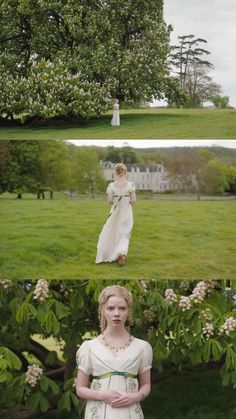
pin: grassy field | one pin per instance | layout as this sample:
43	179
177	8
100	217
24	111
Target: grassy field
138	124
171	239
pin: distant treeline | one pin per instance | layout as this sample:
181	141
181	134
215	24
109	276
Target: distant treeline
39	166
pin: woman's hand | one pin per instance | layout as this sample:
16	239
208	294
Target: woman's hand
109	396
126	400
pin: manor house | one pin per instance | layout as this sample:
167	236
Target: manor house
152	177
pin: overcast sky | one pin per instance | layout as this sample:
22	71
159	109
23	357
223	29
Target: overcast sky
156	143
215	21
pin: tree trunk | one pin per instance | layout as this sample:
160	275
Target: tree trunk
51	194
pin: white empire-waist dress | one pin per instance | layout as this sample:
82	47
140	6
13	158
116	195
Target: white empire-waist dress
116	115
115	235
93	358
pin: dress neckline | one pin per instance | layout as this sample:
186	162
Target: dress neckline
115	356
123	187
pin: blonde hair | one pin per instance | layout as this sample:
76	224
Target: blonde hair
112	291
120	168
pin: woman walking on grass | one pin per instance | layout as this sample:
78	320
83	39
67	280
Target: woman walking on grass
118	362
114	239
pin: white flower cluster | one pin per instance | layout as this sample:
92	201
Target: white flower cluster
170	296
228	326
6	283
41	290
208	330
199	292
207	314
184	303
33	374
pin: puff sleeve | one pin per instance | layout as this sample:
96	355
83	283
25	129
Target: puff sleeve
109	189
83	359
131	187
146	361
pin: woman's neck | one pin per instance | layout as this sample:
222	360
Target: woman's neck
115	332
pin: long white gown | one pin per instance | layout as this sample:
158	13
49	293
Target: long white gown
116	115
94	358
114	238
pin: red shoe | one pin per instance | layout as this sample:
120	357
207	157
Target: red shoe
122	260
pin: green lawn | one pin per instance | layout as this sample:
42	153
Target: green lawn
170	240
138	124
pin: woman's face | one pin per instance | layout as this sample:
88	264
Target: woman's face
116	311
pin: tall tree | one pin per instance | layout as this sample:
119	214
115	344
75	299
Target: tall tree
108	48
188	61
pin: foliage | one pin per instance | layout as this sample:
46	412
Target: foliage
220	101
68	58
36	167
189	63
67	311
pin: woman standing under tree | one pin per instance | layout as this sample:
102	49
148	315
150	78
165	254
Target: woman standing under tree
113	241
118	362
116	114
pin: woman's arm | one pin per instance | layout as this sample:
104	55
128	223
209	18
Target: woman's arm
130	398
86	393
110	198
132	197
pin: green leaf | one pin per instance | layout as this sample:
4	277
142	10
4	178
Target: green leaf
64	402
34	400
77	301
74	399
207	351
54	387
216	350
5	376
61	310
12	359
44	403
44	384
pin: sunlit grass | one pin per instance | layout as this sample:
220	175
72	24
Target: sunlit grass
171	240
137	124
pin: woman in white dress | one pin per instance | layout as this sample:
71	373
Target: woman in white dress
113	242
118	363
116	114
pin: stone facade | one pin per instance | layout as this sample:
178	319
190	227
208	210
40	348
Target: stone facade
152	177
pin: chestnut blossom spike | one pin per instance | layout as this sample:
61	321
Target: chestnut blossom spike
170	296
229	326
184	303
199	292
41	290
6	283
208	330
33	375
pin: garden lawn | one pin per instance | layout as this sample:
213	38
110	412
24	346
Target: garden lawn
171	239
137	124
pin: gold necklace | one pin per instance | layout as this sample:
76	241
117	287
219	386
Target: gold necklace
115	348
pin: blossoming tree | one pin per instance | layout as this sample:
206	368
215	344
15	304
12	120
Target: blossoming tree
187	324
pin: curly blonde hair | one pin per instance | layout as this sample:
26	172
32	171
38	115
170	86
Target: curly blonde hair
120	168
112	291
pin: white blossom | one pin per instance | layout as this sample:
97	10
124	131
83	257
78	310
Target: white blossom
208	330
184	303
33	374
199	292
6	283
170	296
41	290
228	326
